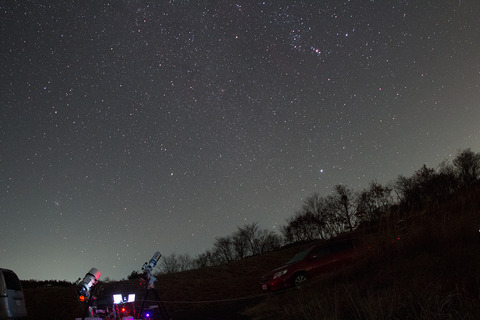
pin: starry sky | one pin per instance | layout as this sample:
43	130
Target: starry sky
131	126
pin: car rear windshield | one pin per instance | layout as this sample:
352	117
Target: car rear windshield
323	250
11	280
299	256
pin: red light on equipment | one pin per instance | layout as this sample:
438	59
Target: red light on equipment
82	298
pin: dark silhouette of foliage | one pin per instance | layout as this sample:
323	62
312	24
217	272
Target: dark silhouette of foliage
342	211
243	240
134	275
316	209
205	259
423	187
467	164
322	218
224	249
312	221
413	189
430	186
246	241
300	227
250	240
176	263
341	205
373	202
325	217
266	241
29	284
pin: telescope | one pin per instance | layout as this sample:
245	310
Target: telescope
148	266
147	275
87	283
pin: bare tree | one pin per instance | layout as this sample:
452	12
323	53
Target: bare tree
448	180
413	192
223	249
315	208
251	240
300	228
313	221
169	264
204	260
244	240
374	202
185	262
403	187
240	244
176	263
288	233
467	164
265	241
341	204
426	186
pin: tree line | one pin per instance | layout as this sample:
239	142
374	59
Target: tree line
344	210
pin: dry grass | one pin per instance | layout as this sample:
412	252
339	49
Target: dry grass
433	273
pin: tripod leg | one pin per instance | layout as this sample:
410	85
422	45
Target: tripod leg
86	308
143	303
163	312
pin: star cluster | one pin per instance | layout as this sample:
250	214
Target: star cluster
134	126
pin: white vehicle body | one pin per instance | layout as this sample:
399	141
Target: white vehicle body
12	301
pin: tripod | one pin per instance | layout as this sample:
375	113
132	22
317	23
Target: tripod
163	312
148	276
87	305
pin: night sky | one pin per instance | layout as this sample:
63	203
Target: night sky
130	127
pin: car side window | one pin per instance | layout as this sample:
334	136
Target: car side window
320	252
342	246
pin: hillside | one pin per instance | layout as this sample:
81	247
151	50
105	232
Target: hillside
432	273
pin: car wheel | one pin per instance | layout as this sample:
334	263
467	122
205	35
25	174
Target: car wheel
300	279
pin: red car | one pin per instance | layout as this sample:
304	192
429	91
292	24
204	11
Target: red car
319	259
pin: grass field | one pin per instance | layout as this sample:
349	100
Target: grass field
433	272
